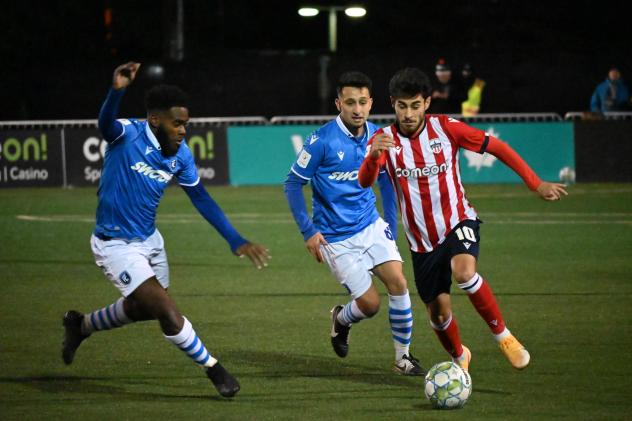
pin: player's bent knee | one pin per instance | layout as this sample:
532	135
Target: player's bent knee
463	274
369	304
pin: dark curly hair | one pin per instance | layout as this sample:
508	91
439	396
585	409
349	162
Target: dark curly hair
409	82
163	97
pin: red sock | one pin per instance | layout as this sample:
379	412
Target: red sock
482	297
449	337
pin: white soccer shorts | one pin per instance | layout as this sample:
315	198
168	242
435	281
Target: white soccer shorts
351	260
127	264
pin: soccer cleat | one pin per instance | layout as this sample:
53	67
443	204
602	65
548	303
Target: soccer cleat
339	334
72	336
517	355
464	360
224	382
409	366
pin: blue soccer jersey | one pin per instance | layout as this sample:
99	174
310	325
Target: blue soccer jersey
330	159
135	175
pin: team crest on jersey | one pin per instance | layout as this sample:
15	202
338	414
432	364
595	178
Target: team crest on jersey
125	278
435	145
173	164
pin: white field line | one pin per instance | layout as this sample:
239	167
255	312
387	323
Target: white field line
569	218
573	191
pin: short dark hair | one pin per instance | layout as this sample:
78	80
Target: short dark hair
163	97
354	79
409	82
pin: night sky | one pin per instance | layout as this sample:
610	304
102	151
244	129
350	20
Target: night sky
555	50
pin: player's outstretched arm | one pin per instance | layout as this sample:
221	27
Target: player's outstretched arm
122	78
551	191
504	152
211	211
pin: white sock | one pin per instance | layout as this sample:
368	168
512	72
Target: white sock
350	314
108	317
502	335
188	341
400	315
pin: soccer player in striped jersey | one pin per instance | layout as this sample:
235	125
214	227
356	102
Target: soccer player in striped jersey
140	160
346	231
420	155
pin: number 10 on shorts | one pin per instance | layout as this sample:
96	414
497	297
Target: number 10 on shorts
465	233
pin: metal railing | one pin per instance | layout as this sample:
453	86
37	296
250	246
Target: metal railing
196	121
380	119
610	115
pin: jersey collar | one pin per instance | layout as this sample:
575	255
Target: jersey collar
348	133
151	136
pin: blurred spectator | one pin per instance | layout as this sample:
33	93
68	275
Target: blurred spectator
471	91
445	98
611	94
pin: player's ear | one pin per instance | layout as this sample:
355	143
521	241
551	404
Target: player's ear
153	118
427	103
338	104
393	102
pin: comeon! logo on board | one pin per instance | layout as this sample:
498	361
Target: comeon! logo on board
15	151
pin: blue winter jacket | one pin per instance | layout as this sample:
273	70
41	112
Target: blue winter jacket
602	99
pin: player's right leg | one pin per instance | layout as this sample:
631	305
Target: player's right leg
126	265
343	258
445	327
433	279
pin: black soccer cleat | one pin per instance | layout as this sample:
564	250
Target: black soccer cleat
409	366
72	336
339	334
224	382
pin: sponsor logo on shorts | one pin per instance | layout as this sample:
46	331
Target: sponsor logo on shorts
421	172
344	175
125	278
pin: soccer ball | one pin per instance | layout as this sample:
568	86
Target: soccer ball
567	175
447	385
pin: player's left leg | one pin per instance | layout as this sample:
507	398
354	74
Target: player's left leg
482	298
382	258
400	316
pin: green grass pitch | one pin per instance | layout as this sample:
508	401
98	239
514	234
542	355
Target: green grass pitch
561	272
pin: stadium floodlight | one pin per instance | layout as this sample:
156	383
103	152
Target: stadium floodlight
355	12
307	12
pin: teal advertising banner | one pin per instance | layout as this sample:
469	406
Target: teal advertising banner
546	147
263	154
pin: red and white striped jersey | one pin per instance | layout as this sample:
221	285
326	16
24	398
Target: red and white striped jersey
425	173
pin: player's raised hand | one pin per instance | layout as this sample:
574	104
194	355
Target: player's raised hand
551	191
313	244
257	253
124	75
380	142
